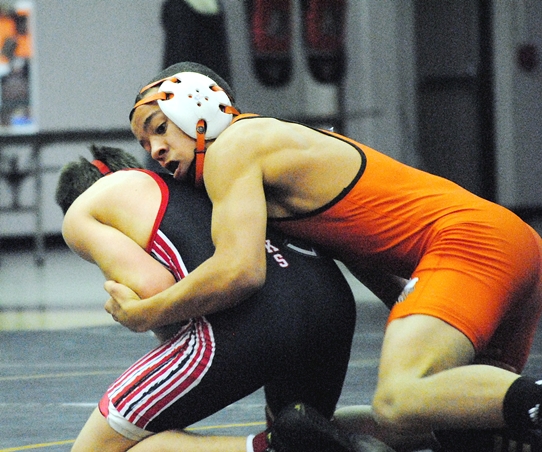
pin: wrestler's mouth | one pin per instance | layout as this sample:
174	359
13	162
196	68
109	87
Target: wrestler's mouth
173	168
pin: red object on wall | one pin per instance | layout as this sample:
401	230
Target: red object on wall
324	33
271	26
271	32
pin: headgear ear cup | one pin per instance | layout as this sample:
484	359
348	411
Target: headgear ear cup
194	97
324	29
271	34
196	105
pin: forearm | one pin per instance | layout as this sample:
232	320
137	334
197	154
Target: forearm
211	287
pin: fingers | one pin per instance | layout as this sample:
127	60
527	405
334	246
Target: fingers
123	307
120	292
126	308
111	287
113	308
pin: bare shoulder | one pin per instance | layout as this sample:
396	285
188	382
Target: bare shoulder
253	125
302	168
252	134
112	188
124	178
119	195
126	200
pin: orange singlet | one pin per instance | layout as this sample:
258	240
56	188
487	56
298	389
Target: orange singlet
478	265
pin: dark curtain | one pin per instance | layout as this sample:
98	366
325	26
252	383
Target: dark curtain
192	36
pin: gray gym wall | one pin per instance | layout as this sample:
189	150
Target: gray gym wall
92	56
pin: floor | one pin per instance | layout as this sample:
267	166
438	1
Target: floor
60	351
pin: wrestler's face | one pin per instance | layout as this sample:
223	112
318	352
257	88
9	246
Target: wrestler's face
166	143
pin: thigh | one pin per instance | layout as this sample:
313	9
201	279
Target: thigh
241	363
512	341
418	346
425	382
294	340
315	360
476	277
155	393
445	289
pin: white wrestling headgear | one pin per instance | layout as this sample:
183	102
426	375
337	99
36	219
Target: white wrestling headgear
195	104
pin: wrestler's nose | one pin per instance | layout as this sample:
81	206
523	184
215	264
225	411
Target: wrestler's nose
158	151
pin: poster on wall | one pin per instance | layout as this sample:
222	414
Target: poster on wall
16	65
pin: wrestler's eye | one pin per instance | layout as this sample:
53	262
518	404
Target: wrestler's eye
161	129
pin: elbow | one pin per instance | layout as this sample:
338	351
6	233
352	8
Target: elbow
148	285
386	411
253	280
246	281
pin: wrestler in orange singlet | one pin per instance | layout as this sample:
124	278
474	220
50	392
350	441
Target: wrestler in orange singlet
462	274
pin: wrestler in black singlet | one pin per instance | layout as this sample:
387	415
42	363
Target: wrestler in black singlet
293	337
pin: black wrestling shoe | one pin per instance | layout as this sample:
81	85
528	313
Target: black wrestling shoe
300	428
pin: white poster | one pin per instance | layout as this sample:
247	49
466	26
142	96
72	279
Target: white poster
16	58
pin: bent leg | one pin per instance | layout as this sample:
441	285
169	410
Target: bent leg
175	441
98	435
426	381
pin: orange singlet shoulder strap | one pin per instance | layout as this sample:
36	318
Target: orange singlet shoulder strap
244	116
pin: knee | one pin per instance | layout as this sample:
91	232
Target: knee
357	418
394	409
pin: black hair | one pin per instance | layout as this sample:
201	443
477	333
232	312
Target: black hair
76	177
188	66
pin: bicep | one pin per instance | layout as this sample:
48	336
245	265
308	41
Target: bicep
119	257
239	218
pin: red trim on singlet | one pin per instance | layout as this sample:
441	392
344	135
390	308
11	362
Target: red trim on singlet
165	374
163	206
103	405
191	374
167	254
159	246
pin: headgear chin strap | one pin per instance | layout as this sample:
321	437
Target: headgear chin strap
195	104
